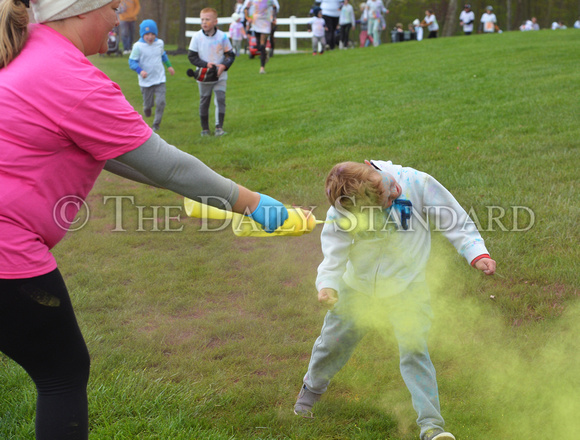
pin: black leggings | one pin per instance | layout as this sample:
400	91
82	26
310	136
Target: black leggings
330	34
344	31
262	47
39	331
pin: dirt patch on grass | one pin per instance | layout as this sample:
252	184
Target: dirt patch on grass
531	301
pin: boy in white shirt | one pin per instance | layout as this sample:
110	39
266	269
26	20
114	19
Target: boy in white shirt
488	22
211	48
466	19
376	243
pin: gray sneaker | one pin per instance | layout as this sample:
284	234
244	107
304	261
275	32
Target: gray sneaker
205	133
220	132
305	402
437	434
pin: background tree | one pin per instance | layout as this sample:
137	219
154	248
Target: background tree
450	23
181	39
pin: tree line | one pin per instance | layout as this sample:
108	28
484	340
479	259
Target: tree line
170	14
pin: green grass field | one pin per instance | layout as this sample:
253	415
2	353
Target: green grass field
202	335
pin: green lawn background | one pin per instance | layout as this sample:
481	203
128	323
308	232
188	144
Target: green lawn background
202	335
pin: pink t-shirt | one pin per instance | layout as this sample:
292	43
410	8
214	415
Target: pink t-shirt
62	118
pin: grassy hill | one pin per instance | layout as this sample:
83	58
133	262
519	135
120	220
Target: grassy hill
202	335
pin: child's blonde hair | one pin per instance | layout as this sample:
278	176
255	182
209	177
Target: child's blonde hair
209	10
352	183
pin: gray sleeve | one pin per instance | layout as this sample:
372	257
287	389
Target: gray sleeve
120	169
168	167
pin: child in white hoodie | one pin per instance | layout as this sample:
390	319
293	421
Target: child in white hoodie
376	244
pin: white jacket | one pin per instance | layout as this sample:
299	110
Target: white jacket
386	262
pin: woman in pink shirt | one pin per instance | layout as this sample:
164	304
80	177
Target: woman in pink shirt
63	122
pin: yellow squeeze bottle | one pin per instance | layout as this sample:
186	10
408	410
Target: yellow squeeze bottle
199	210
298	223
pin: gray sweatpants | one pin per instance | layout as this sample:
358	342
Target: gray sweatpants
315	41
409	315
205	90
154	93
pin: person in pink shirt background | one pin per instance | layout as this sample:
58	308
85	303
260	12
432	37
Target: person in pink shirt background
55	138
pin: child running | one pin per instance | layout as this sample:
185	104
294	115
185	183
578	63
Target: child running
147	59
211	48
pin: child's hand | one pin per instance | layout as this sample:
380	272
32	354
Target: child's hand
143	74
221	69
486	265
171	70
328	297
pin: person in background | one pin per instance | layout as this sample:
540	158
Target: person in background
364	38
466	19
346	21
375	12
239	8
317	26
147	59
62	133
128	12
418	29
488	22
398	34
237	33
430	21
577	24
260	15
558	25
331	15
532	25
412	32
210	48
274	28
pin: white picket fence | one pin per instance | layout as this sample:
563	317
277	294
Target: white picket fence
293	22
